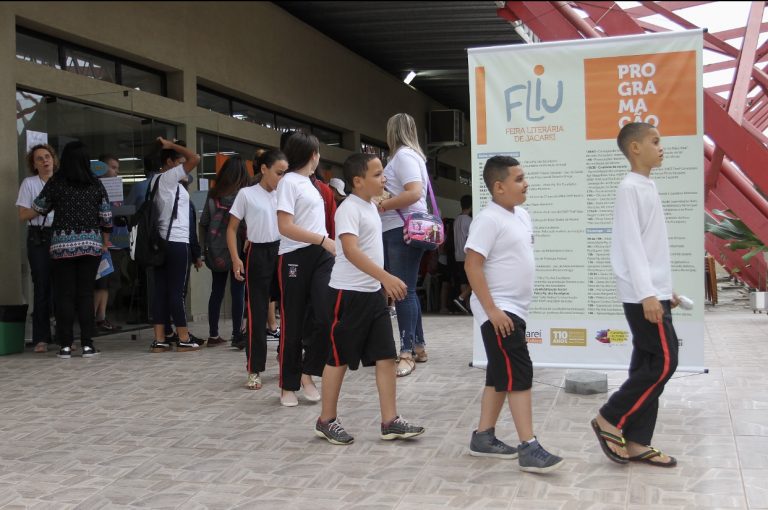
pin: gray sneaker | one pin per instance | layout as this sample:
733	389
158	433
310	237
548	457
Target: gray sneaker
485	444
333	432
533	458
399	429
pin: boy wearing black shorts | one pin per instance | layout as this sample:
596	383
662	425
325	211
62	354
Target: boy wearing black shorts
361	328
500	268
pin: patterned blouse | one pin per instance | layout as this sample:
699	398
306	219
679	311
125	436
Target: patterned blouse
82	214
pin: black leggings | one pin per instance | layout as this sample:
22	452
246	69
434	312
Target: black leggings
170	282
73	280
260	268
303	275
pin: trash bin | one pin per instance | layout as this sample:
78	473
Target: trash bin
13	318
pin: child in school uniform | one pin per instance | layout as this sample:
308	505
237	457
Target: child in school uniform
361	328
641	265
500	268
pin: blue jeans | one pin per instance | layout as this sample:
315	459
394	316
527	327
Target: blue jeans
237	293
403	261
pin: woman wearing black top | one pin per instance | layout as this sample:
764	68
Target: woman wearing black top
81	229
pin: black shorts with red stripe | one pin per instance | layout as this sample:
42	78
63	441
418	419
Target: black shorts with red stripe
509	364
361	328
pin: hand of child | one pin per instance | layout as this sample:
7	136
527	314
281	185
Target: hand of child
237	268
166	144
652	310
502	324
198	263
329	245
394	287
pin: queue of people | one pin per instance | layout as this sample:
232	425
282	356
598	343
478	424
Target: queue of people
336	268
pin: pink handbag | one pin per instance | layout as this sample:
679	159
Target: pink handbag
422	229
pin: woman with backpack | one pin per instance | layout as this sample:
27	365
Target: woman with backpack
171	201
215	217
257	206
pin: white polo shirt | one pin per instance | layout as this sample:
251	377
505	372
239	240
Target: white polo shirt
639	245
360	218
297	195
258	207
505	239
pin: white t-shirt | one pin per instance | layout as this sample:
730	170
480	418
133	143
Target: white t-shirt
360	218
460	233
639	246
404	167
164	199
259	209
28	191
505	239
298	196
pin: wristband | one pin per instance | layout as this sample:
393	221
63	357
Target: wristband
322	241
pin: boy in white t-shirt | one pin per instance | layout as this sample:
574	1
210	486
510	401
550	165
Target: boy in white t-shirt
361	327
500	268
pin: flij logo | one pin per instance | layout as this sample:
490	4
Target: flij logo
535	101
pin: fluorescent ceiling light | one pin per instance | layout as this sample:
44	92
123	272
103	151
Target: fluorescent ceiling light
408	79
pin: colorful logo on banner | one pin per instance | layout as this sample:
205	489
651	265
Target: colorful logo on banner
568	337
534	336
658	88
531	101
612	336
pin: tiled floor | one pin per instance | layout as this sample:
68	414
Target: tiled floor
179	430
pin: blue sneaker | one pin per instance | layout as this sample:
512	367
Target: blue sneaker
533	458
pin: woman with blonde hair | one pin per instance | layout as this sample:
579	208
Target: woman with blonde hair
407	181
41	162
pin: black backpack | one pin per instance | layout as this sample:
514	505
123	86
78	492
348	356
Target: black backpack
146	244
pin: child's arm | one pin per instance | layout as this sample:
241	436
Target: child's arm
473	266
288	228
627	230
393	286
237	264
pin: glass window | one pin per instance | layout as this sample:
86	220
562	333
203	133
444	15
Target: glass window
38	51
103	131
253	114
368	147
446	171
465	178
208	145
327	136
141	79
288	124
213	102
86	64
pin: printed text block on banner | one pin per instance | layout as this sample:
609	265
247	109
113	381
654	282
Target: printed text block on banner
658	88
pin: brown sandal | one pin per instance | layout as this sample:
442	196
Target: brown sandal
403	371
421	356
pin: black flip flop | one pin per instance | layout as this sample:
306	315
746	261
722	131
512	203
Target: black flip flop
604	437
652	453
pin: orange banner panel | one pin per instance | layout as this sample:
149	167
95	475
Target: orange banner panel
658	88
482	128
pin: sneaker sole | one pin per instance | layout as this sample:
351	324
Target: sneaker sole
159	349
531	469
508	456
90	355
187	349
65	356
406	435
331	440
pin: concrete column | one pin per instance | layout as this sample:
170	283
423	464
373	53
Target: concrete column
10	252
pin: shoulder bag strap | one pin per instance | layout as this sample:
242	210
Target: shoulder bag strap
431	194
173	213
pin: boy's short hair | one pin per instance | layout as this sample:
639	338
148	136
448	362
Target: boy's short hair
356	165
497	169
632	132
466	201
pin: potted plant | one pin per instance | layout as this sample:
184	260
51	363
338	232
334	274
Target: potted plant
741	237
